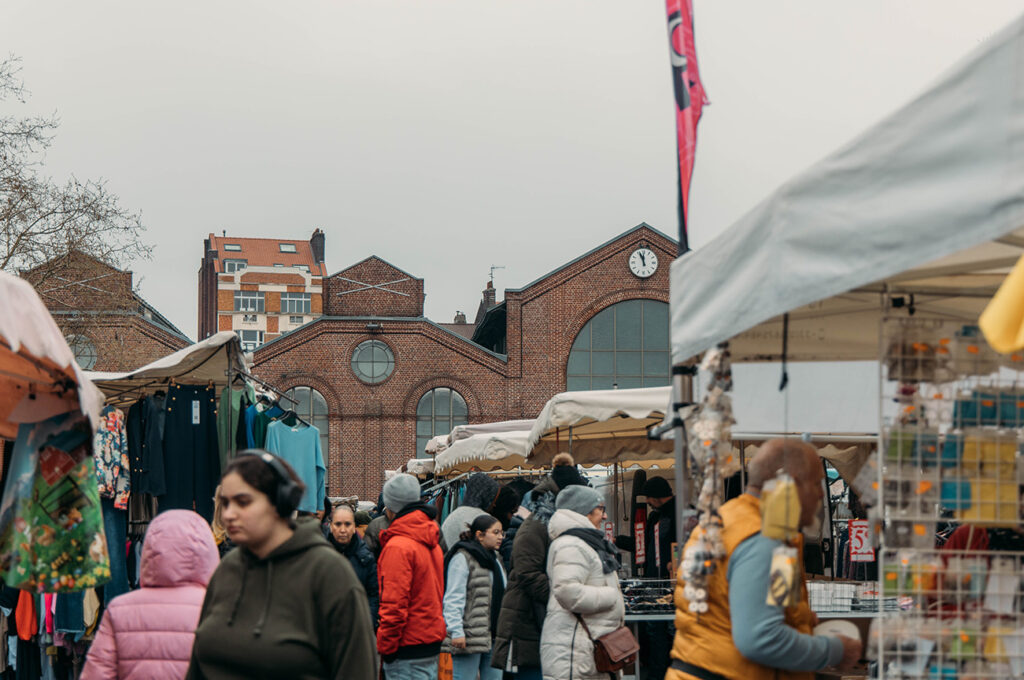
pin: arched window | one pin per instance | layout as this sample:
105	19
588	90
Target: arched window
84	351
624	345
311	407
438	412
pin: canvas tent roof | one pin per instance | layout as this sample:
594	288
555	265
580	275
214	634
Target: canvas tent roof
206	361
39	377
600	426
494	451
929	202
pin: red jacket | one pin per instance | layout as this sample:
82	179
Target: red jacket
411	584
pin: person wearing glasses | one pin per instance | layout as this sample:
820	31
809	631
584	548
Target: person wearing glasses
586	602
475	582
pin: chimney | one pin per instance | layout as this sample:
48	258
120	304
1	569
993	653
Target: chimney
316	243
460	317
490	295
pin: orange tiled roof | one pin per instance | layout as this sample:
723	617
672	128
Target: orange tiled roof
266	252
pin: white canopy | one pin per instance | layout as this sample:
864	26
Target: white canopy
467	431
436	444
929	202
600	426
206	361
494	451
39	377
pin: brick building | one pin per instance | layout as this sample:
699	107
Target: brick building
380	379
107	325
260	287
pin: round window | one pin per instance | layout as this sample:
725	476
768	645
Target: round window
373	361
84	351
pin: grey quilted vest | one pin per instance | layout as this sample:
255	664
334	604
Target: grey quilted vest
476	620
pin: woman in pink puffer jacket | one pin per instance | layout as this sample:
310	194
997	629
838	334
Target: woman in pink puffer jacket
147	634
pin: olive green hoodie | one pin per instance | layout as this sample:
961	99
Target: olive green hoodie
298	613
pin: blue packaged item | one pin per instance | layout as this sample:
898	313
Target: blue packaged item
955	494
952	450
980	408
1011	409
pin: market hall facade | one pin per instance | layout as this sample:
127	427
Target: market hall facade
380	379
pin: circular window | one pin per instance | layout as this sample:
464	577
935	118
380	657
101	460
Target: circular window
373	361
84	351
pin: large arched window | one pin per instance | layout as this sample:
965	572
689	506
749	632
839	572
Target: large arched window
438	412
312	407
624	345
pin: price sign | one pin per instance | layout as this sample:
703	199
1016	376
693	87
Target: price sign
861	549
609	531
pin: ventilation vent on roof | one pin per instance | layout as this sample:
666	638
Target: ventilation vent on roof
287	247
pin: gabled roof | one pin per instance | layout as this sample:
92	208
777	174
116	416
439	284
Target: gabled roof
382	261
266	252
623	235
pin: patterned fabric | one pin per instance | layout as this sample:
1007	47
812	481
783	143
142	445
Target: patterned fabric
113	472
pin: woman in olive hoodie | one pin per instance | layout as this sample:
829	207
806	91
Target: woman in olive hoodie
285	604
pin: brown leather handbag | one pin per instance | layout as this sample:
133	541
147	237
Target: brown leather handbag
613	651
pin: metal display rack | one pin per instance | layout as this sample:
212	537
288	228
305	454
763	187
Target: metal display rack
953	417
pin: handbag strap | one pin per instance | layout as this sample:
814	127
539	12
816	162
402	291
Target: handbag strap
584	624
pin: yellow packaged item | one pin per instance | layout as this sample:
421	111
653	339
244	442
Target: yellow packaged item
780	509
994	502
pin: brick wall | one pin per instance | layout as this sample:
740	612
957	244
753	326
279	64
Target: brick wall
373	428
397	293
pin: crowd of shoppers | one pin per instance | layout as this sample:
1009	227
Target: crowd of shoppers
344	595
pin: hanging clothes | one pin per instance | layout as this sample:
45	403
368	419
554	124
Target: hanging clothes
154	415
258	418
233	403
191	455
113	468
299	445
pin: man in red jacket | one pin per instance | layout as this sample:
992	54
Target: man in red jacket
411	579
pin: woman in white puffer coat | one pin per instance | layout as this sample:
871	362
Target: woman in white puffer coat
582	569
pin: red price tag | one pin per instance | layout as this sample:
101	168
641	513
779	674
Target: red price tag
861	549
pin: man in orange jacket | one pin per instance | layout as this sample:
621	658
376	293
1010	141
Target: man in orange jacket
743	636
411	584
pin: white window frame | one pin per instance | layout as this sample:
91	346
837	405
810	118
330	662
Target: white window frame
254	341
233	247
295	318
234	265
287	248
296	303
250	301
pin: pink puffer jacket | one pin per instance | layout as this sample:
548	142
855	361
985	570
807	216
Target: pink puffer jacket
147	634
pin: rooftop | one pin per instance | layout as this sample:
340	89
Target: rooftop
266	252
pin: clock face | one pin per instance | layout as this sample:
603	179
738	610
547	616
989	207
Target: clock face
643	262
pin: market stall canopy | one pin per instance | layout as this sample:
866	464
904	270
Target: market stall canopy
467	431
210	360
39	377
923	212
436	445
420	466
600	426
485	452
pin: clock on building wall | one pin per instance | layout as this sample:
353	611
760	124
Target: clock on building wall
643	262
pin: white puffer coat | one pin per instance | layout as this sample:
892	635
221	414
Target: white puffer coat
578	586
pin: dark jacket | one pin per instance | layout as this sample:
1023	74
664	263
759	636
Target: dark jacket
525	603
410	574
365	565
372	535
298	613
659	535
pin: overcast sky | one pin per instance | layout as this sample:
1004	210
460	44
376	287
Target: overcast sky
449	135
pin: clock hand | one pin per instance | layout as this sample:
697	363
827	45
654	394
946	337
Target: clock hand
643	261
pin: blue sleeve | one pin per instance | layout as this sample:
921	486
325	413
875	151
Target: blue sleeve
759	630
321	473
273	443
455	595
250	419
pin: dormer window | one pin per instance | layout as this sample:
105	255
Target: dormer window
235	247
287	247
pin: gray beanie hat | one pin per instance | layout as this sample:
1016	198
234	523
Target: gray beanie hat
581	499
400	492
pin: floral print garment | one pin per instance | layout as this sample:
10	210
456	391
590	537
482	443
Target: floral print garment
111	454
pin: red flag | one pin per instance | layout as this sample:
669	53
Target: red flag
690	99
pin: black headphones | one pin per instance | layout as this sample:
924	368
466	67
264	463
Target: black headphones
287	494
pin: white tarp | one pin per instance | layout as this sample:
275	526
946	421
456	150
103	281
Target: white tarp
600	426
205	361
486	452
443	441
436	445
39	377
929	201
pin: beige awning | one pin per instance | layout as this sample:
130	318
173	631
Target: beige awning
208	361
600	426
485	452
39	377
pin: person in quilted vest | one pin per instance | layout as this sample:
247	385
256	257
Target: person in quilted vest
475	584
147	634
742	636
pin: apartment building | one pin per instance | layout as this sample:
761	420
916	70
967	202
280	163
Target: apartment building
260	288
